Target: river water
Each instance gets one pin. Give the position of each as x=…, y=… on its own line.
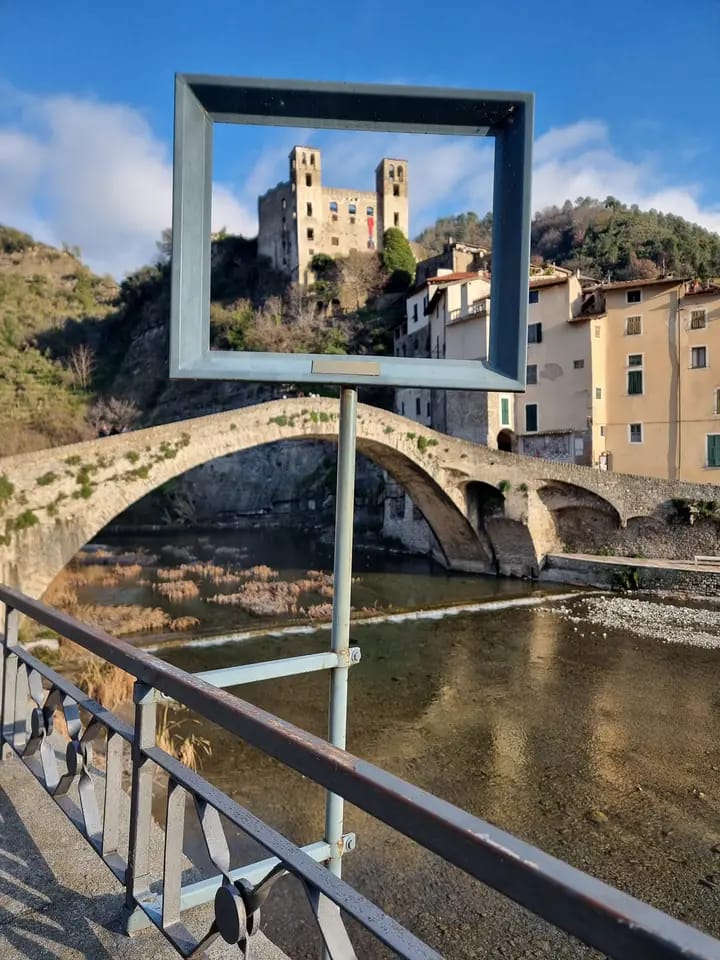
x=582, y=732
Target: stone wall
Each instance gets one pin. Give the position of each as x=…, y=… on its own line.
x=604, y=573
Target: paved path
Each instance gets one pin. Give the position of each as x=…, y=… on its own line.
x=649, y=563
x=58, y=900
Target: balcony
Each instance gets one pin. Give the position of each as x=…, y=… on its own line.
x=480, y=308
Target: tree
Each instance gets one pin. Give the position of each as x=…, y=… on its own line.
x=361, y=274
x=116, y=413
x=398, y=259
x=82, y=364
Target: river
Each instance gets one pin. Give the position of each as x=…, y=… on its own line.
x=558, y=715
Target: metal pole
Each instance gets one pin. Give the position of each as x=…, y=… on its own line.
x=340, y=642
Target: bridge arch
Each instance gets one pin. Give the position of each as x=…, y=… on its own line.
x=82, y=488
x=579, y=515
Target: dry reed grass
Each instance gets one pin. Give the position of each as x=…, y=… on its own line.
x=183, y=623
x=176, y=590
x=170, y=573
x=104, y=682
x=123, y=618
x=190, y=750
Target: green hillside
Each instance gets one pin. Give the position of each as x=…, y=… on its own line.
x=601, y=238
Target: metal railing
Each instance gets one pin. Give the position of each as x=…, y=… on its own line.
x=33, y=693
x=479, y=308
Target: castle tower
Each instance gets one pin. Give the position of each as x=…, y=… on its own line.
x=306, y=187
x=391, y=184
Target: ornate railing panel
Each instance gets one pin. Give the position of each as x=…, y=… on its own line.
x=34, y=698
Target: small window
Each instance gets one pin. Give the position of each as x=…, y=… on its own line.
x=698, y=357
x=428, y=409
x=633, y=296
x=534, y=333
x=333, y=206
x=370, y=211
x=633, y=326
x=391, y=171
x=352, y=209
x=697, y=320
x=335, y=241
x=417, y=405
x=310, y=233
x=396, y=219
x=312, y=159
x=713, y=450
x=504, y=412
x=602, y=431
x=534, y=296
x=402, y=407
x=334, y=217
x=415, y=313
x=635, y=382
x=352, y=220
x=308, y=209
x=578, y=364
x=283, y=203
x=598, y=393
x=311, y=252
x=531, y=374
x=308, y=179
x=636, y=433
x=531, y=417
x=717, y=403
x=400, y=173
x=396, y=190
x=304, y=160
x=635, y=360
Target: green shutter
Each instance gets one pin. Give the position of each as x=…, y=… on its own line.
x=505, y=411
x=713, y=450
x=635, y=382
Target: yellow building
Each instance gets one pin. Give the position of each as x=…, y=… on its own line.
x=655, y=348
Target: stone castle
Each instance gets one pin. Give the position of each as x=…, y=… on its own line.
x=300, y=217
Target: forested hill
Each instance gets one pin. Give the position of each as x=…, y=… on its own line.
x=601, y=238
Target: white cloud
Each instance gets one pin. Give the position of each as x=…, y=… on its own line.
x=95, y=175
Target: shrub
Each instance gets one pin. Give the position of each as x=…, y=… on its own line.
x=6, y=488
x=46, y=479
x=504, y=486
x=26, y=519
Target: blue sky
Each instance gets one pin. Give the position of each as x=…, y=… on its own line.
x=626, y=103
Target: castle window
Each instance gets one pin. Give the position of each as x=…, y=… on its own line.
x=304, y=160
x=310, y=233
x=396, y=190
x=370, y=211
x=391, y=172
x=334, y=217
x=308, y=209
x=308, y=179
x=352, y=209
x=352, y=220
x=333, y=206
x=400, y=173
x=283, y=203
x=396, y=219
x=312, y=159
x=335, y=241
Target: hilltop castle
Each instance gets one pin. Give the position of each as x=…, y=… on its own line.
x=300, y=217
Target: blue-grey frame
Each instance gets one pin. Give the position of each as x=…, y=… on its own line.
x=201, y=101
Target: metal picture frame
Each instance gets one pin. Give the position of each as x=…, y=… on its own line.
x=201, y=101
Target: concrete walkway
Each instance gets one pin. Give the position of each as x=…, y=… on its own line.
x=57, y=898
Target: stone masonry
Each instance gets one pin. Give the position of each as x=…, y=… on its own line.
x=489, y=511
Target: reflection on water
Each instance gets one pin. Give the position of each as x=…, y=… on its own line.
x=524, y=719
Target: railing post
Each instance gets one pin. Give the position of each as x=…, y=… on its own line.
x=137, y=876
x=8, y=677
x=342, y=580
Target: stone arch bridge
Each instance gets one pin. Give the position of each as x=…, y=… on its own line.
x=489, y=511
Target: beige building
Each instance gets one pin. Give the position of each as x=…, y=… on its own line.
x=301, y=217
x=553, y=414
x=656, y=379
